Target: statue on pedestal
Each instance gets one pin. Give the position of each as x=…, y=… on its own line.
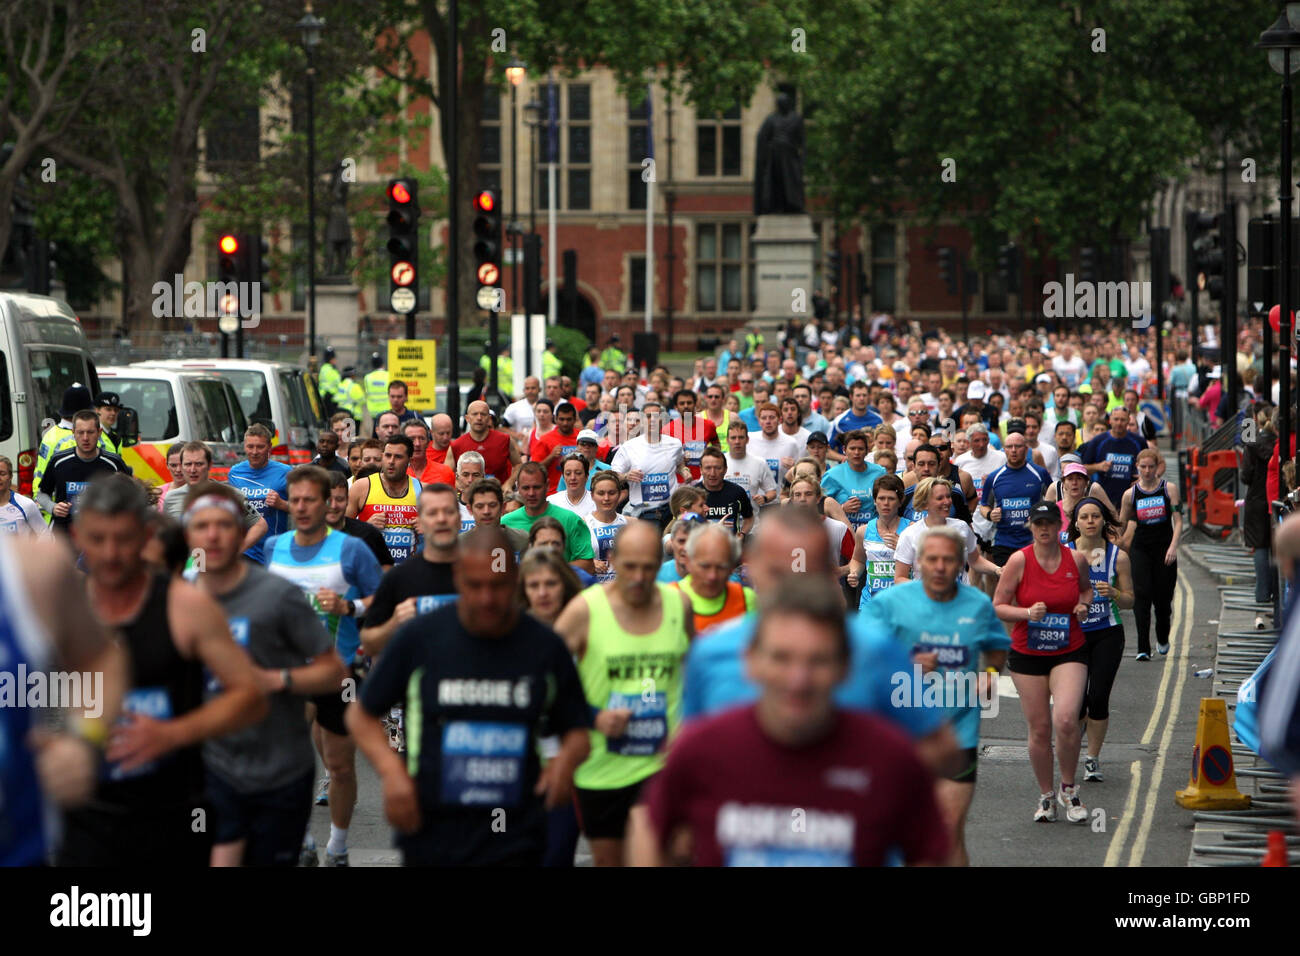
x=338, y=230
x=778, y=174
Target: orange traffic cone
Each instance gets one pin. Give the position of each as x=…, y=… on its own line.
x=1276, y=855
x=644, y=379
x=1212, y=784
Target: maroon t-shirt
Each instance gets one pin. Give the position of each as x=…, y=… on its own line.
x=844, y=801
x=495, y=449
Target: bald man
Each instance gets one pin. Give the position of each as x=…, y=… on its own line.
x=501, y=458
x=440, y=463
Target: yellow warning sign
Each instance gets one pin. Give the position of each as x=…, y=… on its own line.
x=414, y=361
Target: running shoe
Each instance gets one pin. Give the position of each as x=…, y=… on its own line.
x=332, y=859
x=1045, y=811
x=323, y=795
x=1075, y=811
x=308, y=855
x=1143, y=656
x=1092, y=770
x=1162, y=648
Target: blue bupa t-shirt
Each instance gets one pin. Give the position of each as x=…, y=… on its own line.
x=848, y=422
x=1015, y=491
x=1121, y=453
x=256, y=484
x=843, y=483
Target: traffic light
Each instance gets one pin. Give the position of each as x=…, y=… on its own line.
x=1088, y=264
x=1207, y=253
x=948, y=268
x=487, y=248
x=228, y=258
x=1009, y=267
x=255, y=265
x=834, y=271
x=403, y=245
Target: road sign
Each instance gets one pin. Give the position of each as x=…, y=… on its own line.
x=403, y=273
x=413, y=362
x=228, y=323
x=1155, y=414
x=403, y=301
x=487, y=297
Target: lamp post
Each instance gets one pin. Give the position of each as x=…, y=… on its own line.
x=311, y=27
x=515, y=74
x=533, y=112
x=1281, y=40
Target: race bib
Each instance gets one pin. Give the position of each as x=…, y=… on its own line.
x=466, y=524
x=949, y=655
x=774, y=466
x=1098, y=613
x=75, y=488
x=880, y=575
x=153, y=702
x=1050, y=634
x=9, y=527
x=1015, y=511
x=693, y=451
x=1121, y=466
x=1150, y=510
x=654, y=488
x=646, y=730
x=400, y=541
x=431, y=602
x=239, y=631
x=483, y=763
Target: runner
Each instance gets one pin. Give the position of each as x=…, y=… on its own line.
x=1092, y=533
x=693, y=431
x=481, y=695
x=749, y=471
x=19, y=515
x=263, y=483
x=652, y=465
x=551, y=449
x=604, y=522
x=629, y=637
x=712, y=554
x=177, y=483
x=806, y=492
x=851, y=482
x=500, y=455
x=532, y=488
x=196, y=468
x=947, y=625
x=769, y=444
x=469, y=470
x=1073, y=486
x=46, y=624
x=1046, y=590
x=981, y=461
x=677, y=566
x=1111, y=457
x=259, y=781
x=930, y=497
x=337, y=518
x=143, y=808
x=872, y=565
x=69, y=472
x=1151, y=514
x=574, y=471
x=388, y=500
x=518, y=416
x=1009, y=493
x=339, y=574
x=486, y=501
x=734, y=782
x=728, y=503
x=327, y=446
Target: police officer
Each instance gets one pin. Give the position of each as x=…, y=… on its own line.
x=376, y=387
x=551, y=364
x=109, y=406
x=329, y=382
x=351, y=396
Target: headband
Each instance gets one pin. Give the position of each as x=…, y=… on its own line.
x=212, y=501
x=1087, y=501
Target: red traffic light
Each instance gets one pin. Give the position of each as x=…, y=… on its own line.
x=486, y=201
x=398, y=192
x=228, y=244
x=488, y=273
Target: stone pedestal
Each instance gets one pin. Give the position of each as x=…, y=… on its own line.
x=784, y=255
x=336, y=323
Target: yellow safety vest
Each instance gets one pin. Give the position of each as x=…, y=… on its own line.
x=377, y=392
x=329, y=381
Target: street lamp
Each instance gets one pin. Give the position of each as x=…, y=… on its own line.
x=515, y=74
x=310, y=27
x=1281, y=40
x=534, y=110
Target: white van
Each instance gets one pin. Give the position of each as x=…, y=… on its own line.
x=43, y=351
x=177, y=406
x=279, y=395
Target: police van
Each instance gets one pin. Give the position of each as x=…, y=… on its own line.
x=172, y=407
x=279, y=395
x=43, y=351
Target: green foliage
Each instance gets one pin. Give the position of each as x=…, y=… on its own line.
x=570, y=347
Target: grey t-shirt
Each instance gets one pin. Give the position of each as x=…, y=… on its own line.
x=174, y=505
x=273, y=621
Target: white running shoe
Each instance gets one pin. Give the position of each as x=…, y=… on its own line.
x=1075, y=811
x=1045, y=810
x=1092, y=770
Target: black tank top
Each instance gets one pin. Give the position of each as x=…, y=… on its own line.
x=164, y=685
x=1154, y=513
x=960, y=508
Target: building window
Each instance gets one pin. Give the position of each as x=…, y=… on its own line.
x=489, y=156
x=717, y=145
x=636, y=276
x=719, y=267
x=233, y=137
x=884, y=269
x=638, y=150
x=578, y=145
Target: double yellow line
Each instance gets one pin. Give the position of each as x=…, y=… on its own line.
x=1167, y=706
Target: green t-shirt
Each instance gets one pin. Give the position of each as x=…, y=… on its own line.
x=577, y=535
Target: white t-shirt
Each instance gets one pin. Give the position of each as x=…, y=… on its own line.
x=467, y=521
x=658, y=462
x=751, y=473
x=21, y=515
x=835, y=531
x=602, y=540
x=772, y=450
x=1071, y=371
x=903, y=431
x=980, y=468
x=800, y=439
x=519, y=415
x=584, y=507
x=906, y=550
x=1051, y=459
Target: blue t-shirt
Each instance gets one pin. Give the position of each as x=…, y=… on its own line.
x=592, y=375
x=959, y=630
x=256, y=485
x=750, y=417
x=1121, y=453
x=843, y=483
x=715, y=676
x=878, y=573
x=1015, y=491
x=313, y=565
x=668, y=572
x=848, y=422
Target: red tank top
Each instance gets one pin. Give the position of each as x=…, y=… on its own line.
x=1059, y=631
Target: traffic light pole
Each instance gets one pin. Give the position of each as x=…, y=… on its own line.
x=450, y=90
x=311, y=203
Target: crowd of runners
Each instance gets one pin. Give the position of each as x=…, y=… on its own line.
x=746, y=617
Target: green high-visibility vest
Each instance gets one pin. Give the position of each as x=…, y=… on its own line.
x=551, y=365
x=377, y=392
x=329, y=381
